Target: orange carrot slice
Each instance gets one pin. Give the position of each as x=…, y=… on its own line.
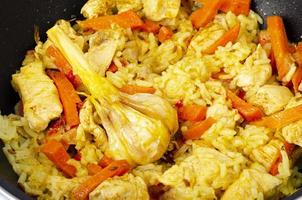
x=297, y=78
x=281, y=119
x=192, y=113
x=196, y=131
x=116, y=168
x=289, y=148
x=236, y=6
x=56, y=152
x=134, y=89
x=164, y=34
x=274, y=168
x=150, y=26
x=68, y=96
x=280, y=45
x=229, y=36
x=93, y=169
x=247, y=111
x=63, y=65
x=204, y=15
x=105, y=161
x=112, y=68
x=128, y=19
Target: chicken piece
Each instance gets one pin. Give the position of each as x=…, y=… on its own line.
x=100, y=57
x=157, y=10
x=252, y=184
x=127, y=187
x=292, y=133
x=39, y=95
x=267, y=154
x=94, y=8
x=202, y=174
x=256, y=71
x=125, y=5
x=89, y=124
x=205, y=38
x=272, y=98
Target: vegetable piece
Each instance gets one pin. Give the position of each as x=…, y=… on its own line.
x=136, y=136
x=68, y=96
x=289, y=148
x=203, y=16
x=281, y=119
x=55, y=126
x=55, y=152
x=280, y=45
x=93, y=169
x=150, y=26
x=297, y=78
x=128, y=19
x=274, y=168
x=105, y=161
x=192, y=113
x=134, y=89
x=248, y=111
x=63, y=65
x=112, y=68
x=236, y=6
x=164, y=34
x=78, y=156
x=230, y=36
x=196, y=131
x=116, y=168
x=153, y=106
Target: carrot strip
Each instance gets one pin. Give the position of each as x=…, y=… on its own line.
x=56, y=152
x=68, y=96
x=105, y=161
x=128, y=19
x=236, y=6
x=93, y=169
x=63, y=65
x=55, y=126
x=134, y=89
x=204, y=15
x=196, y=131
x=164, y=34
x=274, y=168
x=281, y=119
x=230, y=36
x=289, y=148
x=112, y=68
x=150, y=26
x=192, y=112
x=78, y=156
x=247, y=111
x=297, y=78
x=280, y=45
x=116, y=168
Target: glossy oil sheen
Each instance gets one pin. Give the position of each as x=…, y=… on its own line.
x=16, y=37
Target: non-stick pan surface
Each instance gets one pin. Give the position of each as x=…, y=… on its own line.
x=17, y=20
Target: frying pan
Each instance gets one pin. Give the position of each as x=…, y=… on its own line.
x=16, y=36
